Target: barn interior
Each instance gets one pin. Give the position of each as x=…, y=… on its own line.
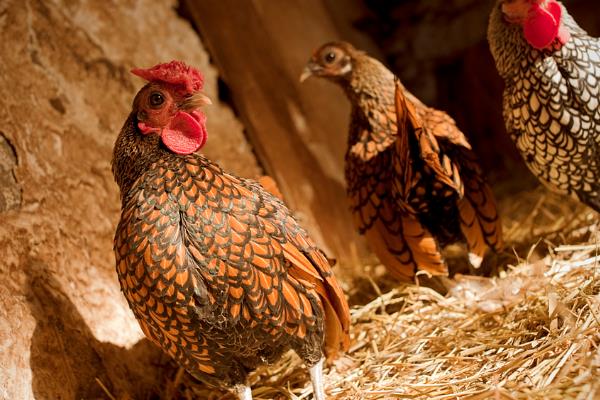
x=532, y=331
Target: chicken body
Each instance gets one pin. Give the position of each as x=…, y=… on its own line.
x=551, y=103
x=216, y=270
x=413, y=183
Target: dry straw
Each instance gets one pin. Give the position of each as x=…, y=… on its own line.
x=531, y=333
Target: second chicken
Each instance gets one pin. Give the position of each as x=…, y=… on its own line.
x=413, y=182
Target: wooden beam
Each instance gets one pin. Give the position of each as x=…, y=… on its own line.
x=298, y=132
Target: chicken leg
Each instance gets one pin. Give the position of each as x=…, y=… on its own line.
x=316, y=377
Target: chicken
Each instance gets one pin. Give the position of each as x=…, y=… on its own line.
x=413, y=182
x=551, y=71
x=215, y=268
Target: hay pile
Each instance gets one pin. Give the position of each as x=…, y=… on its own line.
x=531, y=333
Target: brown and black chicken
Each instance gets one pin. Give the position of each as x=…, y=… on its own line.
x=413, y=182
x=215, y=268
x=551, y=71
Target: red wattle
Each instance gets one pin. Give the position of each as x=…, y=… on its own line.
x=541, y=27
x=185, y=134
x=554, y=8
x=556, y=11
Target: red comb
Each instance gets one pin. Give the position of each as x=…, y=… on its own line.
x=543, y=24
x=185, y=78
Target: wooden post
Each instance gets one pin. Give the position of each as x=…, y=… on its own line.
x=298, y=132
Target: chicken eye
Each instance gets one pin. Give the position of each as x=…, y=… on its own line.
x=156, y=99
x=330, y=57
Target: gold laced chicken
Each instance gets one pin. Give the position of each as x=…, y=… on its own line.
x=413, y=182
x=215, y=268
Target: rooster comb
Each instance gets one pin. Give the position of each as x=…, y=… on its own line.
x=186, y=79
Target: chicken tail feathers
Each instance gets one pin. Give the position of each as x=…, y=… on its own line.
x=313, y=267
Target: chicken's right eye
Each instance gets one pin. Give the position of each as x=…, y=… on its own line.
x=156, y=99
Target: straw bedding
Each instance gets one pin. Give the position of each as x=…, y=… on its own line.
x=532, y=332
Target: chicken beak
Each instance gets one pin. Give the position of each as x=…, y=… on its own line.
x=201, y=100
x=309, y=71
x=196, y=101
